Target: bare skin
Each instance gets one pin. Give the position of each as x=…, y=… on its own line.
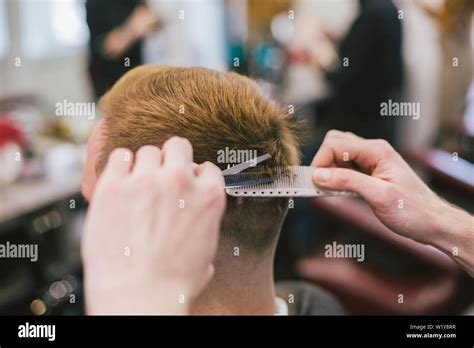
x=234, y=276
x=141, y=22
x=154, y=255
x=377, y=173
x=120, y=280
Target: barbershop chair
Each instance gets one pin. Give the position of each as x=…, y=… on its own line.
x=440, y=288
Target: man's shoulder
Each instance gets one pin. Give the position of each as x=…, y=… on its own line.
x=307, y=299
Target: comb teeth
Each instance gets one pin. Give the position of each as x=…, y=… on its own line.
x=291, y=181
x=247, y=179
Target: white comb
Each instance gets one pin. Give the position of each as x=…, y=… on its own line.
x=289, y=181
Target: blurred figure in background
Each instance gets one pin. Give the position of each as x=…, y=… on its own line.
x=117, y=29
x=368, y=72
x=454, y=21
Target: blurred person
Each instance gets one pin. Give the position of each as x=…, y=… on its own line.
x=368, y=72
x=361, y=72
x=219, y=111
x=117, y=29
x=454, y=23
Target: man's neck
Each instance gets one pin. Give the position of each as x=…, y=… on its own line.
x=241, y=286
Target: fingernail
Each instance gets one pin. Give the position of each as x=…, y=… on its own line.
x=321, y=174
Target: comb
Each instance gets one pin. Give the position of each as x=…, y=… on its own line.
x=244, y=165
x=233, y=176
x=288, y=181
x=247, y=179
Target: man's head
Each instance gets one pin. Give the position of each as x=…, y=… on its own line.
x=219, y=113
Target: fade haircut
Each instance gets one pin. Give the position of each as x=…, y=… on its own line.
x=213, y=110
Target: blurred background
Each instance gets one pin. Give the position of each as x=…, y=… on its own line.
x=332, y=62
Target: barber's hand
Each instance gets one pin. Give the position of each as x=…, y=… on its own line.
x=398, y=197
x=151, y=231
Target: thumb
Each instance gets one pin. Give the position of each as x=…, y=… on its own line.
x=342, y=179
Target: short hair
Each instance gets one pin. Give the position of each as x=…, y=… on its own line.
x=214, y=111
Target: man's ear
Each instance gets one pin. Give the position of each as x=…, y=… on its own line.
x=89, y=176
